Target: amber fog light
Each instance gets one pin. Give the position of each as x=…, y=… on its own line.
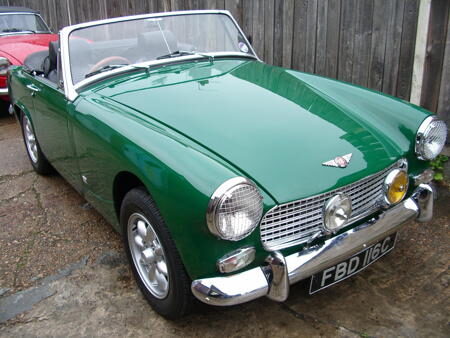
x=395, y=186
x=337, y=212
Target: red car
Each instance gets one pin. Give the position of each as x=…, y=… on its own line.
x=22, y=32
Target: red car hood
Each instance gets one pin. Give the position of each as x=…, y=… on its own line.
x=17, y=47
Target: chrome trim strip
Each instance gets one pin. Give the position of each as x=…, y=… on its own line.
x=4, y=91
x=259, y=281
x=70, y=89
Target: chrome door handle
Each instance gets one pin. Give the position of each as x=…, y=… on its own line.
x=33, y=89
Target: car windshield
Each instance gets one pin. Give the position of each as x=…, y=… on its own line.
x=109, y=46
x=22, y=23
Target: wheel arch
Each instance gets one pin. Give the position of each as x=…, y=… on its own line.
x=19, y=110
x=123, y=182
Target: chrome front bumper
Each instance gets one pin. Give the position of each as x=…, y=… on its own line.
x=3, y=91
x=273, y=280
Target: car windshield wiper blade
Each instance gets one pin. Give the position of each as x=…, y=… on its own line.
x=115, y=66
x=104, y=69
x=179, y=53
x=17, y=30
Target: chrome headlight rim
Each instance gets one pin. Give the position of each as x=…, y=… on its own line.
x=389, y=181
x=217, y=198
x=329, y=204
x=421, y=136
x=4, y=66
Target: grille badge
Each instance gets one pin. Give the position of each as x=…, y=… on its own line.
x=339, y=161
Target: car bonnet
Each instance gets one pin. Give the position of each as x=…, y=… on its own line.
x=276, y=126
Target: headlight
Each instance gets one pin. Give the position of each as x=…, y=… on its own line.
x=235, y=209
x=395, y=186
x=430, y=138
x=336, y=212
x=4, y=65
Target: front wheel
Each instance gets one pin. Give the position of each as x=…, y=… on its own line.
x=154, y=259
x=37, y=158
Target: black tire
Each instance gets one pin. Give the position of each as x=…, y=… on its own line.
x=178, y=300
x=38, y=160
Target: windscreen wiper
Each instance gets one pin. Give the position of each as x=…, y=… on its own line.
x=17, y=30
x=115, y=66
x=178, y=53
x=104, y=69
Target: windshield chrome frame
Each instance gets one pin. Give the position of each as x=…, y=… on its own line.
x=26, y=32
x=71, y=90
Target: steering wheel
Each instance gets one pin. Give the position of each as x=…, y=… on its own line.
x=108, y=61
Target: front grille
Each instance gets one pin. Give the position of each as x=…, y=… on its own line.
x=295, y=222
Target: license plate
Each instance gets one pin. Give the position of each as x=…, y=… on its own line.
x=336, y=273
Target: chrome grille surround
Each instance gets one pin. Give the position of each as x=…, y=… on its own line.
x=296, y=222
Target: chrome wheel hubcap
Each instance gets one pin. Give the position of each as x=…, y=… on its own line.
x=30, y=139
x=148, y=255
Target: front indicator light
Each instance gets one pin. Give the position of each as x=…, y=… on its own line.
x=395, y=186
x=236, y=260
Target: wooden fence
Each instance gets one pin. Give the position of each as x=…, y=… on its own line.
x=366, y=42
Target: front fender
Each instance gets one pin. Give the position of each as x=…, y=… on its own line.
x=179, y=174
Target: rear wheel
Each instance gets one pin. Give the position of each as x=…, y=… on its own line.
x=37, y=158
x=154, y=259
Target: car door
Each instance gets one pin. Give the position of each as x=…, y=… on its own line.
x=50, y=117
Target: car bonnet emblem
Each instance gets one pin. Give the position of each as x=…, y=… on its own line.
x=340, y=161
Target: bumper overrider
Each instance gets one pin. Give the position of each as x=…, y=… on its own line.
x=274, y=278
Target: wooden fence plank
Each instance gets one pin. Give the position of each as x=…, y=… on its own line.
x=288, y=21
x=410, y=15
x=345, y=64
x=392, y=52
x=333, y=24
x=439, y=13
x=381, y=11
x=362, y=43
x=278, y=34
x=269, y=17
x=247, y=23
x=444, y=96
x=321, y=43
x=61, y=15
x=311, y=31
x=235, y=8
x=258, y=27
x=299, y=35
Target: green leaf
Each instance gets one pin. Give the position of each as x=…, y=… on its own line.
x=438, y=176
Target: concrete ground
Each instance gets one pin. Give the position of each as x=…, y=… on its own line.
x=63, y=273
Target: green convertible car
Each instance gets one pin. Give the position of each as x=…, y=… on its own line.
x=229, y=179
